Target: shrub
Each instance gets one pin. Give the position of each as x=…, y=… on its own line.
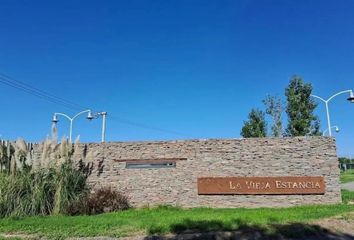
x=107, y=200
x=101, y=201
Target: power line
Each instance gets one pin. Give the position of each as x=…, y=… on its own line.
x=141, y=125
x=38, y=92
x=41, y=91
x=44, y=95
x=34, y=93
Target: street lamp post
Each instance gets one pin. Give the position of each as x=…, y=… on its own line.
x=351, y=99
x=71, y=119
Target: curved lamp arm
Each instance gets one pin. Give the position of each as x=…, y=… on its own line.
x=324, y=132
x=345, y=91
x=315, y=96
x=351, y=99
x=333, y=96
x=71, y=119
x=85, y=111
x=64, y=115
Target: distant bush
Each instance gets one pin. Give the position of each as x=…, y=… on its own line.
x=345, y=160
x=101, y=201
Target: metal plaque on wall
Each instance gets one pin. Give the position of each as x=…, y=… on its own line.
x=261, y=185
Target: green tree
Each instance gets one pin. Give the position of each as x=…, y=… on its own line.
x=300, y=109
x=256, y=125
x=275, y=108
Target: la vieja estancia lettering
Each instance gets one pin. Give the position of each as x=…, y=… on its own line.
x=261, y=185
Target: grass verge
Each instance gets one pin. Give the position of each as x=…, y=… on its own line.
x=347, y=196
x=163, y=220
x=347, y=176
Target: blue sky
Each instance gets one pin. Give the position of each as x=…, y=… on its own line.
x=192, y=67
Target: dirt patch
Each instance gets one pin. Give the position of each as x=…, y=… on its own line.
x=19, y=236
x=343, y=223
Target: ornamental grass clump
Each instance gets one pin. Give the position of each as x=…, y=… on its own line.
x=70, y=186
x=48, y=186
x=27, y=193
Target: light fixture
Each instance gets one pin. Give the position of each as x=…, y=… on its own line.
x=55, y=119
x=337, y=129
x=351, y=97
x=90, y=116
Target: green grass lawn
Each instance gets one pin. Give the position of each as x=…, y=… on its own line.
x=164, y=220
x=347, y=176
x=347, y=196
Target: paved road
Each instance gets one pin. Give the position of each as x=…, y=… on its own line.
x=348, y=186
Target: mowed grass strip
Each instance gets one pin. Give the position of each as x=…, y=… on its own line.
x=347, y=176
x=347, y=196
x=164, y=219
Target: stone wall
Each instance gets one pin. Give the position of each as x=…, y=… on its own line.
x=299, y=156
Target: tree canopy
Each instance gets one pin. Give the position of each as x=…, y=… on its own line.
x=300, y=109
x=255, y=126
x=274, y=108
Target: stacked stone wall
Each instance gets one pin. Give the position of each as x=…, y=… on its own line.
x=265, y=157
